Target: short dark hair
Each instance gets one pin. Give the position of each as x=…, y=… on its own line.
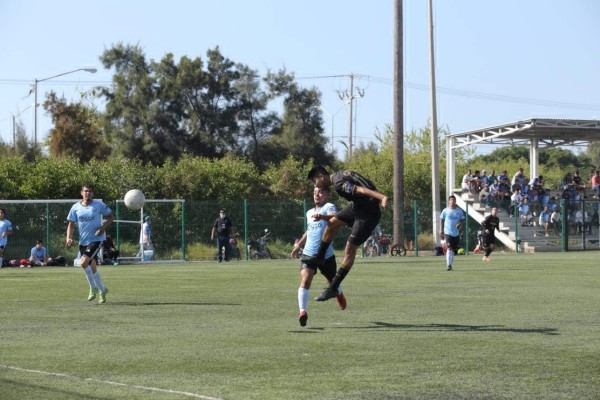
x=452, y=197
x=39, y=241
x=87, y=186
x=317, y=169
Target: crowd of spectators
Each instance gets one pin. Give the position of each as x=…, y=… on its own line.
x=533, y=202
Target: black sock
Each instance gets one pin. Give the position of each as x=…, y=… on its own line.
x=339, y=277
x=488, y=251
x=323, y=246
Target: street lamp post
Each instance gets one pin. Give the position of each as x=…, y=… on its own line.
x=332, y=116
x=35, y=101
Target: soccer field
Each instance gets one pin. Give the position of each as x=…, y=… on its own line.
x=518, y=327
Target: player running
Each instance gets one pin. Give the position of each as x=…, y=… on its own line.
x=452, y=219
x=488, y=238
x=88, y=215
x=317, y=221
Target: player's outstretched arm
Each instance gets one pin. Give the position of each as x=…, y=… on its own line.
x=372, y=193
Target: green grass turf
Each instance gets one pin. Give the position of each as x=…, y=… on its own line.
x=519, y=327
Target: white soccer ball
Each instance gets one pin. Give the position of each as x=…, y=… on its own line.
x=134, y=199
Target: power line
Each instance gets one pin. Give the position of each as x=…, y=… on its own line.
x=472, y=94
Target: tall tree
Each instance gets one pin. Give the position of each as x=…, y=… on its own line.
x=302, y=124
x=210, y=107
x=129, y=103
x=257, y=124
x=76, y=132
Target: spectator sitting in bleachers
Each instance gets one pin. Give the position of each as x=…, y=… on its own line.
x=476, y=183
x=578, y=183
x=492, y=177
x=503, y=176
x=525, y=213
x=515, y=200
x=567, y=182
x=545, y=221
x=537, y=183
x=484, y=178
x=495, y=196
x=484, y=195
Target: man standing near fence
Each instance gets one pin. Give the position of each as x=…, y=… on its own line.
x=88, y=214
x=5, y=232
x=362, y=214
x=222, y=227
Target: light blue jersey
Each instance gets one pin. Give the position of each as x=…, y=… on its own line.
x=451, y=218
x=39, y=253
x=89, y=219
x=314, y=231
x=5, y=227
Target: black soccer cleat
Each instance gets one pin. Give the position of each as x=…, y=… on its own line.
x=302, y=318
x=327, y=294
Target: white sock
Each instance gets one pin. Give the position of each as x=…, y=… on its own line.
x=450, y=257
x=303, y=298
x=98, y=281
x=90, y=277
x=1, y=261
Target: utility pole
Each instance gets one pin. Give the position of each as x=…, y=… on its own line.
x=350, y=96
x=435, y=170
x=398, y=211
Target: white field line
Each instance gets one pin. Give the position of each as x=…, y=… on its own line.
x=188, y=394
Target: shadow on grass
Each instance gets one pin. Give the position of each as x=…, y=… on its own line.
x=142, y=304
x=47, y=390
x=458, y=328
x=308, y=330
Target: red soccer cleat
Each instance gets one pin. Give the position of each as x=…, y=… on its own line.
x=341, y=300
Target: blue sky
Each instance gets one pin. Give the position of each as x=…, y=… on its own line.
x=496, y=62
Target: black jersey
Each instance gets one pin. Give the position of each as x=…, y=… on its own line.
x=490, y=223
x=345, y=183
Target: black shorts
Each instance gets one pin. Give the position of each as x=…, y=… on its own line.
x=328, y=269
x=486, y=240
x=362, y=220
x=91, y=250
x=452, y=242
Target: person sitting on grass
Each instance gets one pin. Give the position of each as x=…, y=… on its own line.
x=111, y=254
x=39, y=255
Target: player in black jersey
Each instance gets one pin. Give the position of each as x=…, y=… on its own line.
x=488, y=227
x=362, y=214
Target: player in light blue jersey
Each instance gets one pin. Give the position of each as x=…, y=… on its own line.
x=5, y=232
x=452, y=219
x=311, y=240
x=88, y=215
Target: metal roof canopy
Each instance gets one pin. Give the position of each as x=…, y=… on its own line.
x=536, y=132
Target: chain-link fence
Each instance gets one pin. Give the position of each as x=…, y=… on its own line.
x=182, y=229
